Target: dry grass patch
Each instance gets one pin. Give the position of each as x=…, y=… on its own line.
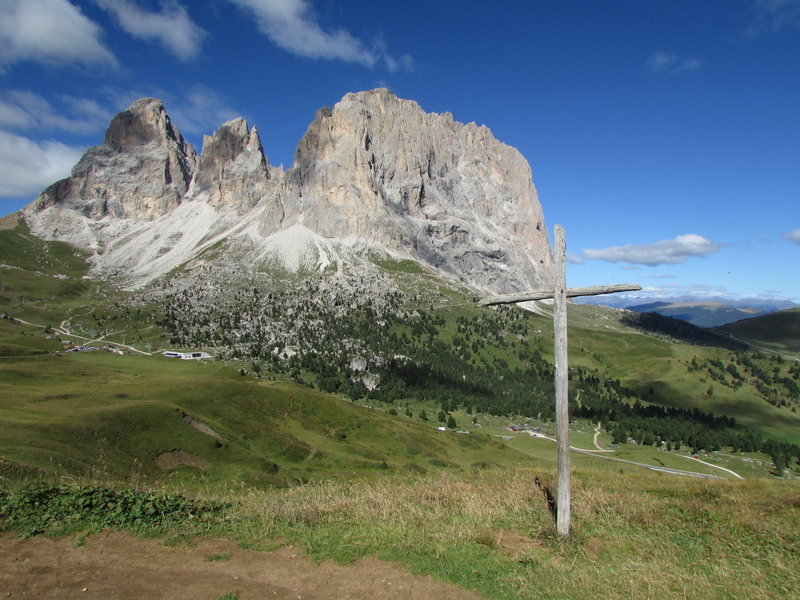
x=642, y=536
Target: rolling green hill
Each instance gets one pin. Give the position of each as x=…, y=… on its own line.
x=778, y=331
x=102, y=416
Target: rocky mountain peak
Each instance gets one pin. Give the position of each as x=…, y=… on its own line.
x=232, y=170
x=424, y=185
x=374, y=172
x=143, y=122
x=142, y=170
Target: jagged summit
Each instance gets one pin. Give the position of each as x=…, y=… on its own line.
x=232, y=170
x=142, y=170
x=375, y=171
x=144, y=122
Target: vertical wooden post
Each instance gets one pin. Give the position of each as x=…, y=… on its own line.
x=560, y=293
x=561, y=382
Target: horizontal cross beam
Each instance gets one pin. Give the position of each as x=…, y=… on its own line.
x=571, y=293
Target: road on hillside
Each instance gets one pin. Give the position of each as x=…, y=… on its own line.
x=756, y=346
x=597, y=454
x=596, y=444
x=652, y=467
x=62, y=330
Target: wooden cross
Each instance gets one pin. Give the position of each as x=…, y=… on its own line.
x=560, y=294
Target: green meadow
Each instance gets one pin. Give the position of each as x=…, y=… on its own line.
x=185, y=449
x=167, y=421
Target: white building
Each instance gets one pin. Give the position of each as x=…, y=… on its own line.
x=186, y=355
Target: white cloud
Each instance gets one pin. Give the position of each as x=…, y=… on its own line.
x=662, y=62
x=658, y=253
x=575, y=259
x=793, y=236
x=172, y=27
x=404, y=63
x=27, y=166
x=24, y=110
x=291, y=25
x=50, y=32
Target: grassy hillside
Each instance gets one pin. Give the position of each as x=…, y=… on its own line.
x=46, y=284
x=681, y=375
x=123, y=418
x=35, y=272
x=778, y=331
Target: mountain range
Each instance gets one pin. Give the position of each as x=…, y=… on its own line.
x=373, y=176
x=697, y=310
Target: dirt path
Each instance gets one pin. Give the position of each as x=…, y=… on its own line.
x=735, y=474
x=119, y=565
x=596, y=435
x=602, y=454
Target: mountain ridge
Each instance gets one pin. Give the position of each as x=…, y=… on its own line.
x=375, y=172
x=700, y=311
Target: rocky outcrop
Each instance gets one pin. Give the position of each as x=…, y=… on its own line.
x=233, y=171
x=374, y=172
x=142, y=170
x=447, y=194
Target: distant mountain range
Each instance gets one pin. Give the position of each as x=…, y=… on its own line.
x=703, y=312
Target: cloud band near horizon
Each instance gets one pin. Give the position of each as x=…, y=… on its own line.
x=665, y=252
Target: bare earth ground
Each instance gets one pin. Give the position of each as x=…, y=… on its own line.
x=122, y=566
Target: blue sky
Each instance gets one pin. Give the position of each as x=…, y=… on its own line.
x=663, y=135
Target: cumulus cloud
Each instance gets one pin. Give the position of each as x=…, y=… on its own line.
x=28, y=166
x=793, y=236
x=291, y=25
x=666, y=252
x=172, y=27
x=51, y=32
x=25, y=110
x=662, y=62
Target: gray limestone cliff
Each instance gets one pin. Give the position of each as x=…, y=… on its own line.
x=374, y=172
x=445, y=193
x=232, y=170
x=142, y=170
